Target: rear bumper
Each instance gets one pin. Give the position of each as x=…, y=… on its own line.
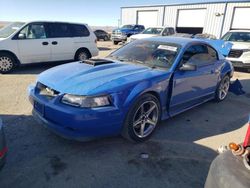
x=76, y=123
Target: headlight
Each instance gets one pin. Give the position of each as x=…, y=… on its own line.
x=86, y=102
x=124, y=34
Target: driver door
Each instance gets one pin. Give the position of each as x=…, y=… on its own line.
x=192, y=87
x=34, y=46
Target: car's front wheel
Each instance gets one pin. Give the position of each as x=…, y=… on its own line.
x=222, y=89
x=7, y=63
x=82, y=54
x=142, y=119
x=115, y=42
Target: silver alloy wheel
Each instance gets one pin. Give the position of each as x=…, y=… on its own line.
x=6, y=64
x=145, y=119
x=82, y=56
x=223, y=88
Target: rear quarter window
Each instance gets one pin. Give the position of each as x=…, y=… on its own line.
x=80, y=30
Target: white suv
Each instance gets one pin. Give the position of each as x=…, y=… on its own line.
x=240, y=52
x=33, y=42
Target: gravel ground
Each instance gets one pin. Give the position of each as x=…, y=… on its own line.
x=177, y=155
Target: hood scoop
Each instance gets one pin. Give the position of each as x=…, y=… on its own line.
x=96, y=62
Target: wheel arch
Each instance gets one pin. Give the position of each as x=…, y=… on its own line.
x=227, y=69
x=82, y=48
x=12, y=54
x=140, y=90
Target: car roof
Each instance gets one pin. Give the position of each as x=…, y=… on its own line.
x=160, y=27
x=240, y=30
x=44, y=21
x=177, y=40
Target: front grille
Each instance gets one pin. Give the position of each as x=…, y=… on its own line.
x=116, y=33
x=235, y=53
x=46, y=91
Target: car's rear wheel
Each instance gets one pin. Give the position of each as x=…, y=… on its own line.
x=142, y=119
x=106, y=38
x=222, y=89
x=7, y=63
x=82, y=54
x=115, y=42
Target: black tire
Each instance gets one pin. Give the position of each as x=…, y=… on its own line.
x=106, y=38
x=82, y=54
x=218, y=97
x=7, y=63
x=129, y=131
x=115, y=42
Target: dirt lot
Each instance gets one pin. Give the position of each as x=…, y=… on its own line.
x=180, y=151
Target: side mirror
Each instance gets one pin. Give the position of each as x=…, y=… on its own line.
x=188, y=67
x=21, y=36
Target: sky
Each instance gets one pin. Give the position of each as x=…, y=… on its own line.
x=92, y=12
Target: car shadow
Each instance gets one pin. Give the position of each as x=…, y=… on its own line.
x=46, y=159
x=104, y=48
x=238, y=69
x=36, y=68
x=171, y=158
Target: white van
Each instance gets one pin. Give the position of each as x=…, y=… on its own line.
x=42, y=41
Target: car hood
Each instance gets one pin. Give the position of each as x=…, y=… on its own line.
x=241, y=45
x=84, y=79
x=142, y=36
x=221, y=46
x=122, y=30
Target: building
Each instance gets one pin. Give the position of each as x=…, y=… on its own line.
x=212, y=17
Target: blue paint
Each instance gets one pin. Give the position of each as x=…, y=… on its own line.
x=176, y=90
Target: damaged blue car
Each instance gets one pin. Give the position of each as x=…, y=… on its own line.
x=131, y=90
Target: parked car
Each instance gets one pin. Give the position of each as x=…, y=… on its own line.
x=121, y=34
x=3, y=147
x=101, y=34
x=152, y=32
x=131, y=90
x=240, y=52
x=33, y=42
x=204, y=36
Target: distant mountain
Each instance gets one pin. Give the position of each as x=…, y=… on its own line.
x=105, y=28
x=2, y=23
x=108, y=29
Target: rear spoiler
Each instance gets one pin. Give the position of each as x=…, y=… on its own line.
x=221, y=46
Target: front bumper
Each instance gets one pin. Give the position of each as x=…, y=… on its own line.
x=75, y=123
x=118, y=38
x=243, y=61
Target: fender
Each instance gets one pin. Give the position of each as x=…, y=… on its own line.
x=158, y=87
x=227, y=68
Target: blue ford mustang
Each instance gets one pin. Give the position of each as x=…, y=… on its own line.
x=132, y=89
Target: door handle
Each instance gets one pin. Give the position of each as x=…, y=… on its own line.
x=45, y=43
x=54, y=43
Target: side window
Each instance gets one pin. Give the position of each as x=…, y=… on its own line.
x=213, y=54
x=59, y=30
x=136, y=28
x=199, y=55
x=171, y=31
x=34, y=31
x=165, y=32
x=80, y=30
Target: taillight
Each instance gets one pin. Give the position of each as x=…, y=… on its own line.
x=247, y=138
x=3, y=152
